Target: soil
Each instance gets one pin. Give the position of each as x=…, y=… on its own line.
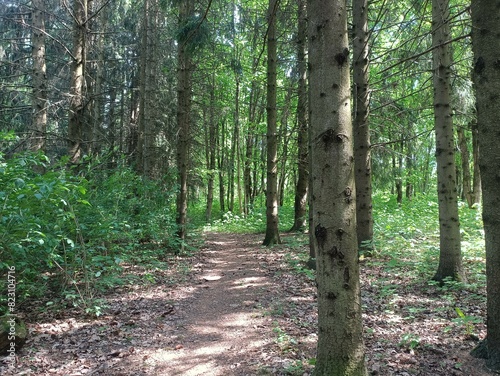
x=237, y=308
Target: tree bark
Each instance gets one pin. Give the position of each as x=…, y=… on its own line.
x=184, y=70
x=340, y=350
x=272, y=226
x=147, y=89
x=450, y=257
x=284, y=141
x=486, y=78
x=234, y=145
x=76, y=121
x=96, y=73
x=221, y=163
x=476, y=175
x=362, y=147
x=211, y=148
x=133, y=134
x=301, y=189
x=39, y=131
x=466, y=176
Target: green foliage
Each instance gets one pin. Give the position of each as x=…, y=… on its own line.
x=38, y=224
x=284, y=341
x=466, y=321
x=193, y=32
x=231, y=222
x=71, y=234
x=410, y=341
x=409, y=235
x=295, y=369
x=254, y=222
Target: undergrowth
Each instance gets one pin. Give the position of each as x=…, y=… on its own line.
x=68, y=234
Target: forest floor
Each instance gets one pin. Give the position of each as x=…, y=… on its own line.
x=237, y=308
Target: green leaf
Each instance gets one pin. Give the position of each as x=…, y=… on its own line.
x=459, y=312
x=19, y=183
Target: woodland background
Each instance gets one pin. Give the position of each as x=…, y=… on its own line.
x=126, y=127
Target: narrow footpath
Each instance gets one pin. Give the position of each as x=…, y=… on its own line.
x=224, y=331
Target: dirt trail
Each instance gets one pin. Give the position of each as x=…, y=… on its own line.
x=224, y=325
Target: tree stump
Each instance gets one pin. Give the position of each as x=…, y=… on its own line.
x=13, y=334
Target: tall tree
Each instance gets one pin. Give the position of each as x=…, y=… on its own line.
x=39, y=127
x=450, y=257
x=272, y=227
x=476, y=173
x=184, y=73
x=471, y=184
x=486, y=47
x=255, y=114
x=76, y=122
x=340, y=349
x=362, y=152
x=211, y=149
x=147, y=83
x=300, y=204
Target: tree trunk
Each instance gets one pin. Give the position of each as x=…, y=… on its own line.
x=450, y=258
x=464, y=157
x=362, y=152
x=151, y=105
x=96, y=68
x=247, y=172
x=39, y=103
x=112, y=134
x=142, y=67
x=76, y=121
x=234, y=146
x=398, y=172
x=476, y=177
x=272, y=227
x=409, y=168
x=184, y=70
x=285, y=140
x=486, y=47
x=133, y=136
x=211, y=152
x=340, y=350
x=221, y=164
x=300, y=204
x=254, y=115
x=147, y=83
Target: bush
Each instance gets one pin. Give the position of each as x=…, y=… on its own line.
x=67, y=232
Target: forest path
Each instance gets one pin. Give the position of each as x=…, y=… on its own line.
x=223, y=331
